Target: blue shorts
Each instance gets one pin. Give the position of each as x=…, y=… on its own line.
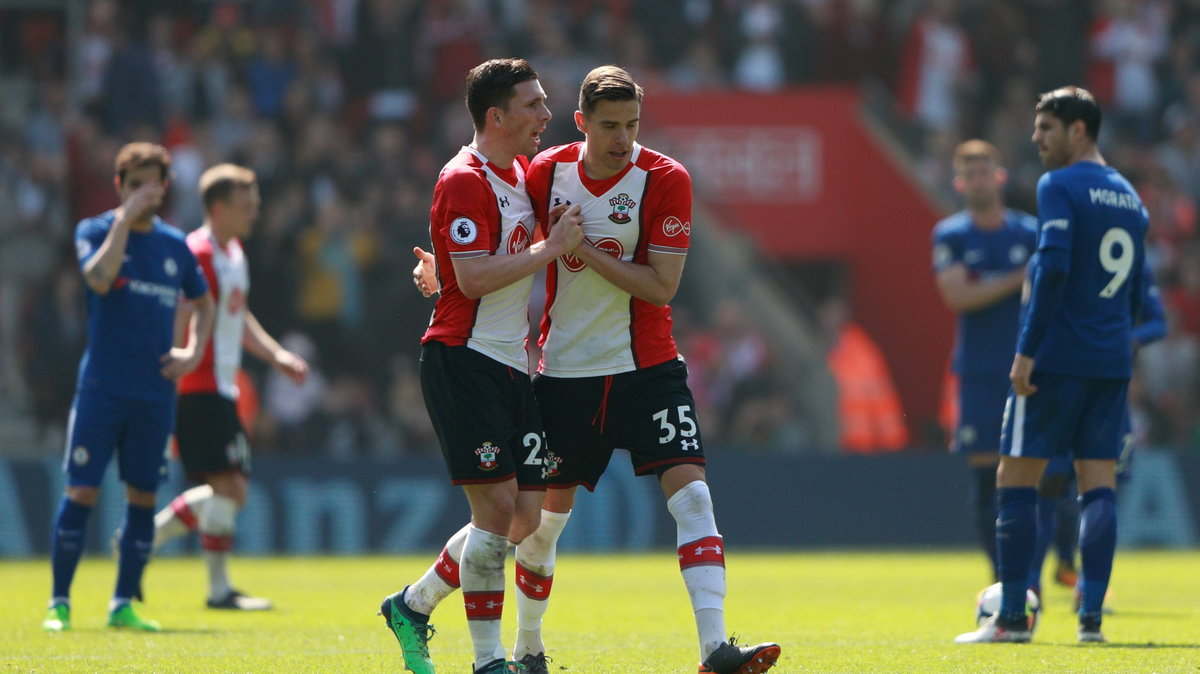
x=1068, y=415
x=980, y=411
x=136, y=429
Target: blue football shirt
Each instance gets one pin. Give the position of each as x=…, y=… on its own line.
x=1093, y=227
x=133, y=326
x=985, y=338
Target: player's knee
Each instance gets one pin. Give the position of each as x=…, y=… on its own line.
x=1052, y=486
x=141, y=498
x=85, y=496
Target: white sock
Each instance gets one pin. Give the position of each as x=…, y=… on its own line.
x=701, y=561
x=216, y=539
x=535, y=575
x=441, y=579
x=181, y=515
x=482, y=575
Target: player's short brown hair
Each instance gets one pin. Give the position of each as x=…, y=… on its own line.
x=219, y=182
x=973, y=150
x=490, y=85
x=138, y=155
x=1070, y=104
x=607, y=83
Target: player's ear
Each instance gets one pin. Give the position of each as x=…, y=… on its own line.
x=960, y=184
x=495, y=116
x=117, y=184
x=580, y=122
x=1001, y=175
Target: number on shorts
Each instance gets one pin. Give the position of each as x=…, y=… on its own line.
x=1119, y=265
x=687, y=425
x=534, y=442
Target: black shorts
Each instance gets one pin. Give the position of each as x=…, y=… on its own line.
x=210, y=435
x=649, y=412
x=486, y=418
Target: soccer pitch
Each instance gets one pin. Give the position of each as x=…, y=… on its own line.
x=831, y=611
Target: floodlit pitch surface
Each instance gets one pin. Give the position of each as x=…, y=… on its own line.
x=831, y=611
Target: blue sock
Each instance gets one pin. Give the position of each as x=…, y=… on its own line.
x=1067, y=534
x=1016, y=533
x=983, y=497
x=66, y=544
x=1047, y=510
x=137, y=538
x=1097, y=545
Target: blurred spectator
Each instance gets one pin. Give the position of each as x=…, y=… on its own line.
x=1169, y=376
x=936, y=69
x=1128, y=41
x=871, y=418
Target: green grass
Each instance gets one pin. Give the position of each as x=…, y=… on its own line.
x=831, y=612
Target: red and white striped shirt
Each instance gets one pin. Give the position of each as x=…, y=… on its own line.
x=229, y=284
x=480, y=209
x=591, y=327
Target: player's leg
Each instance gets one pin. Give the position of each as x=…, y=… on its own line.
x=92, y=431
x=981, y=406
x=1050, y=490
x=655, y=416
x=182, y=514
x=482, y=569
x=142, y=465
x=1100, y=445
x=1033, y=427
x=218, y=525
x=536, y=558
x=1066, y=535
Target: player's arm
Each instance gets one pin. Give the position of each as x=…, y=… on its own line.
x=963, y=294
x=484, y=274
x=1048, y=283
x=655, y=282
x=256, y=340
x=1150, y=323
x=102, y=268
x=181, y=360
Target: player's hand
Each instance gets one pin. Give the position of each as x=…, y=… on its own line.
x=424, y=275
x=144, y=201
x=1022, y=371
x=566, y=231
x=179, y=361
x=295, y=367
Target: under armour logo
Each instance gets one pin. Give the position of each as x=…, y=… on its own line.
x=503, y=202
x=558, y=201
x=494, y=604
x=716, y=549
x=524, y=581
x=689, y=444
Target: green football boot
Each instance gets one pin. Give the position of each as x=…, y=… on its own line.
x=58, y=618
x=412, y=632
x=125, y=617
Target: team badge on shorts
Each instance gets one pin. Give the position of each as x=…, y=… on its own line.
x=550, y=467
x=621, y=205
x=80, y=456
x=487, y=456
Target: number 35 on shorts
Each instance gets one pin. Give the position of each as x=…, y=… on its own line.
x=683, y=426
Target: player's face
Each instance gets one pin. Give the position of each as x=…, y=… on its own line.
x=1052, y=141
x=525, y=117
x=980, y=182
x=242, y=210
x=135, y=178
x=611, y=129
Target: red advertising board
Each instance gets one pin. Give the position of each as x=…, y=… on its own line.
x=804, y=175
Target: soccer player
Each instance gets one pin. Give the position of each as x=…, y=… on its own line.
x=135, y=266
x=610, y=374
x=1070, y=374
x=212, y=442
x=979, y=257
x=474, y=364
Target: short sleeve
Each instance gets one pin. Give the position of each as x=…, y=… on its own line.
x=89, y=235
x=947, y=250
x=466, y=225
x=668, y=214
x=194, y=284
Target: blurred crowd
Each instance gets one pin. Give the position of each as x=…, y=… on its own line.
x=346, y=109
